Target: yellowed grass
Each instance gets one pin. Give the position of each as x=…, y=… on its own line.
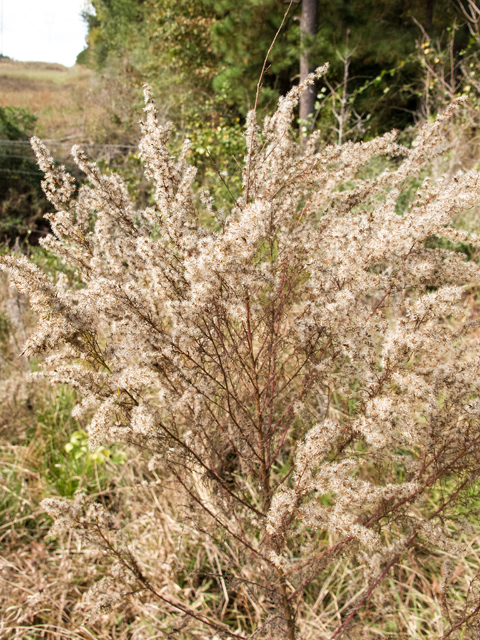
x=71, y=104
x=57, y=95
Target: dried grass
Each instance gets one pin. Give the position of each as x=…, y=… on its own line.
x=70, y=103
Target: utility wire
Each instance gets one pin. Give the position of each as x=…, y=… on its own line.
x=13, y=155
x=60, y=143
x=36, y=173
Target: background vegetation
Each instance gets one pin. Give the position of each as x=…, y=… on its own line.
x=392, y=64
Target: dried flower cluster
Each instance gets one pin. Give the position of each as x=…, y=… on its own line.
x=303, y=367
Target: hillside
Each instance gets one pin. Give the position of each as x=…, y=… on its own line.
x=57, y=95
x=71, y=104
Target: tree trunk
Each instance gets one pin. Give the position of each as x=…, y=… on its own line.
x=429, y=15
x=308, y=23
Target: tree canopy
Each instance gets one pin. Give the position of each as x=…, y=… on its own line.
x=212, y=51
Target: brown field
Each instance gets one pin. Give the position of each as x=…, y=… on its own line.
x=57, y=95
x=71, y=104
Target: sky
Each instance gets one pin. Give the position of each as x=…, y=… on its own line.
x=43, y=30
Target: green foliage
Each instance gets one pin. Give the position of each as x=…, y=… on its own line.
x=67, y=465
x=113, y=29
x=217, y=146
x=193, y=51
x=52, y=265
x=15, y=123
x=180, y=41
x=22, y=202
x=53, y=458
x=241, y=36
x=77, y=448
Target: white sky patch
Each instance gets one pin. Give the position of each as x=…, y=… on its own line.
x=43, y=30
